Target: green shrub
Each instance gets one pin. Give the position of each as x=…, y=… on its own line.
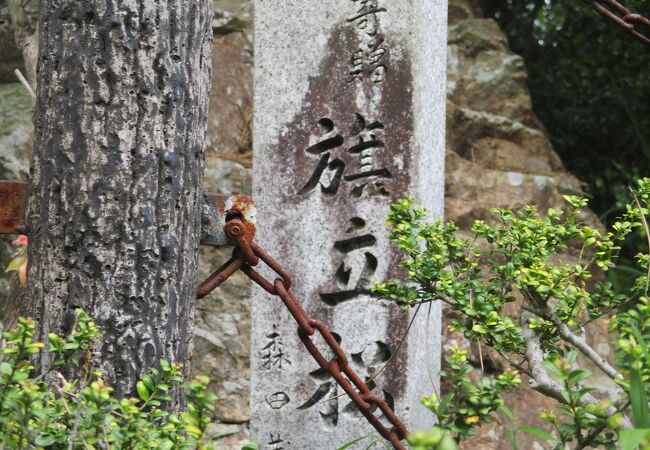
x=50, y=412
x=519, y=258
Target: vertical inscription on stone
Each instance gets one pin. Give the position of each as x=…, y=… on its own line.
x=349, y=117
x=273, y=354
x=366, y=60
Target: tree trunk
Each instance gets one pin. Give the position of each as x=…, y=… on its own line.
x=113, y=211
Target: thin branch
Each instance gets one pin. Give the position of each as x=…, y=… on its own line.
x=647, y=234
x=77, y=419
x=606, y=311
x=579, y=342
x=517, y=366
x=427, y=354
x=480, y=351
x=541, y=381
x=26, y=84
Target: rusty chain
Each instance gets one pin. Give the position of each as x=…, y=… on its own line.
x=617, y=13
x=248, y=254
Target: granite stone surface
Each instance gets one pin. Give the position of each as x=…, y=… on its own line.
x=349, y=117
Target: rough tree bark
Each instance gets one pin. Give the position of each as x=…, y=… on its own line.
x=113, y=207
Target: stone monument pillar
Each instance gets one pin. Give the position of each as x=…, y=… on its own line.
x=349, y=117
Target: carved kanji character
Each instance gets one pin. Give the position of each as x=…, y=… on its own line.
x=366, y=16
x=273, y=354
x=329, y=141
x=348, y=247
x=276, y=442
x=367, y=62
x=367, y=144
x=366, y=363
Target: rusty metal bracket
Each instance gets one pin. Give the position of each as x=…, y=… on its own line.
x=213, y=213
x=214, y=216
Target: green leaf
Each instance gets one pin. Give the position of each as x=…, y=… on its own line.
x=16, y=263
x=512, y=438
x=5, y=368
x=615, y=421
x=251, y=446
x=143, y=392
x=537, y=432
x=19, y=376
x=480, y=329
x=55, y=341
x=148, y=382
x=639, y=399
x=351, y=443
x=631, y=438
x=503, y=409
x=44, y=440
x=641, y=341
x=577, y=376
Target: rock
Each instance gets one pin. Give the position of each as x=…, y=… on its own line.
x=221, y=351
x=223, y=176
x=222, y=334
x=232, y=15
x=222, y=340
x=462, y=9
x=16, y=131
x=491, y=78
x=226, y=436
x=497, y=153
x=222, y=337
x=231, y=100
x=341, y=133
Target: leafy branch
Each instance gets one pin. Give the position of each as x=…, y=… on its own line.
x=520, y=257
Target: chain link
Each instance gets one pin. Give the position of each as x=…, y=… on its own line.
x=623, y=17
x=248, y=254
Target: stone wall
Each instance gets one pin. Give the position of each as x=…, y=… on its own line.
x=498, y=155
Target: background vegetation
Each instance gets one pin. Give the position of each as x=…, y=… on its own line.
x=590, y=88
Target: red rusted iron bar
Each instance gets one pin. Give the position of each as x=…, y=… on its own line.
x=12, y=207
x=220, y=275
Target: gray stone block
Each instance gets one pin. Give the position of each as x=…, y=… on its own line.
x=349, y=117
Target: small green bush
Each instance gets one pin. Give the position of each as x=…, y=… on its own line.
x=519, y=257
x=50, y=412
